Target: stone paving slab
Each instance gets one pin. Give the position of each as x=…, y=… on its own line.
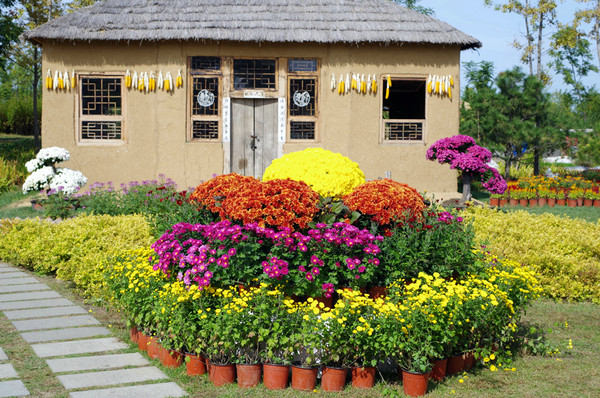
x=46, y=350
x=7, y=371
x=14, y=274
x=110, y=377
x=45, y=312
x=5, y=265
x=29, y=296
x=160, y=390
x=54, y=323
x=27, y=304
x=98, y=362
x=6, y=268
x=3, y=356
x=17, y=281
x=13, y=388
x=64, y=334
x=24, y=288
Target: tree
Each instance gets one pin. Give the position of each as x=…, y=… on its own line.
x=508, y=114
x=413, y=4
x=9, y=30
x=590, y=15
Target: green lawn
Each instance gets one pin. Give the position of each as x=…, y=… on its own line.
x=590, y=214
x=15, y=204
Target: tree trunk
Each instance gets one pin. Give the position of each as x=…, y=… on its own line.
x=536, y=158
x=507, y=166
x=36, y=77
x=466, y=182
x=539, y=46
x=529, y=43
x=597, y=31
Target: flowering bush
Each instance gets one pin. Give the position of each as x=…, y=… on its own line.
x=385, y=201
x=462, y=153
x=45, y=175
x=211, y=193
x=275, y=203
x=330, y=174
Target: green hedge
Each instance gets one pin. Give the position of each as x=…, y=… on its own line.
x=73, y=249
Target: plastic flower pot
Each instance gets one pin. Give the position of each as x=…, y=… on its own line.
x=514, y=202
x=542, y=202
x=248, y=375
x=494, y=201
x=142, y=341
x=596, y=202
x=551, y=202
x=523, y=202
x=415, y=384
x=561, y=202
x=134, y=334
x=363, y=377
x=304, y=379
x=572, y=202
x=533, y=202
x=170, y=358
x=588, y=202
x=438, y=372
x=469, y=358
x=579, y=202
x=275, y=377
x=503, y=202
x=153, y=347
x=333, y=379
x=194, y=365
x=222, y=374
x=455, y=365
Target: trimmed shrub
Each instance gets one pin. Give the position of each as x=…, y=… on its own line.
x=564, y=252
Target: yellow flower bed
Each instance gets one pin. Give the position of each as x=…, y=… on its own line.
x=328, y=173
x=564, y=252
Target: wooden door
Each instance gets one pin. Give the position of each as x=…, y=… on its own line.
x=253, y=135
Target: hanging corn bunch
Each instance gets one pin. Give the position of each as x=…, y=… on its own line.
x=440, y=85
x=134, y=80
x=169, y=82
x=179, y=81
x=152, y=82
x=387, y=89
x=49, y=80
x=332, y=81
x=66, y=80
x=141, y=81
x=146, y=82
x=374, y=84
x=128, y=79
x=160, y=82
x=347, y=86
x=73, y=79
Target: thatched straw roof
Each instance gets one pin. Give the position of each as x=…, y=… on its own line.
x=320, y=21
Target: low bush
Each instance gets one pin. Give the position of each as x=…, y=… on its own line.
x=11, y=174
x=73, y=249
x=564, y=252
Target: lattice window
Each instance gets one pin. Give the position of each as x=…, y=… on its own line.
x=302, y=65
x=302, y=97
x=205, y=64
x=205, y=95
x=254, y=74
x=100, y=108
x=205, y=129
x=403, y=131
x=302, y=130
x=403, y=112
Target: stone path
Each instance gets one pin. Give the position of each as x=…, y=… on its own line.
x=84, y=356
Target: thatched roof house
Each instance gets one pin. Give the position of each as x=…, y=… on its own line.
x=285, y=60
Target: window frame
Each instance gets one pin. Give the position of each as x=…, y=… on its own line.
x=303, y=118
x=209, y=74
x=80, y=118
x=234, y=90
x=384, y=122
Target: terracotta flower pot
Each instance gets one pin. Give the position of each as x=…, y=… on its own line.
x=142, y=341
x=170, y=358
x=469, y=358
x=438, y=372
x=378, y=291
x=523, y=202
x=494, y=201
x=248, y=375
x=561, y=202
x=222, y=374
x=542, y=202
x=304, y=379
x=333, y=379
x=596, y=202
x=363, y=377
x=455, y=365
x=551, y=202
x=327, y=301
x=153, y=347
x=195, y=365
x=572, y=202
x=533, y=202
x=415, y=384
x=513, y=202
x=134, y=334
x=579, y=202
x=275, y=377
x=588, y=202
x=503, y=202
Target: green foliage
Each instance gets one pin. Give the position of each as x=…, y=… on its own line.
x=564, y=252
x=16, y=114
x=10, y=175
x=73, y=249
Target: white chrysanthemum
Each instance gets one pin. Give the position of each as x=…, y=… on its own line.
x=53, y=154
x=68, y=181
x=38, y=180
x=34, y=164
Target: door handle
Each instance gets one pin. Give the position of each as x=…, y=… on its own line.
x=255, y=138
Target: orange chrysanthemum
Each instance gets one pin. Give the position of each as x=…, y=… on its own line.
x=215, y=190
x=385, y=201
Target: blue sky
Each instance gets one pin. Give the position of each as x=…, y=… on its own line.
x=497, y=30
